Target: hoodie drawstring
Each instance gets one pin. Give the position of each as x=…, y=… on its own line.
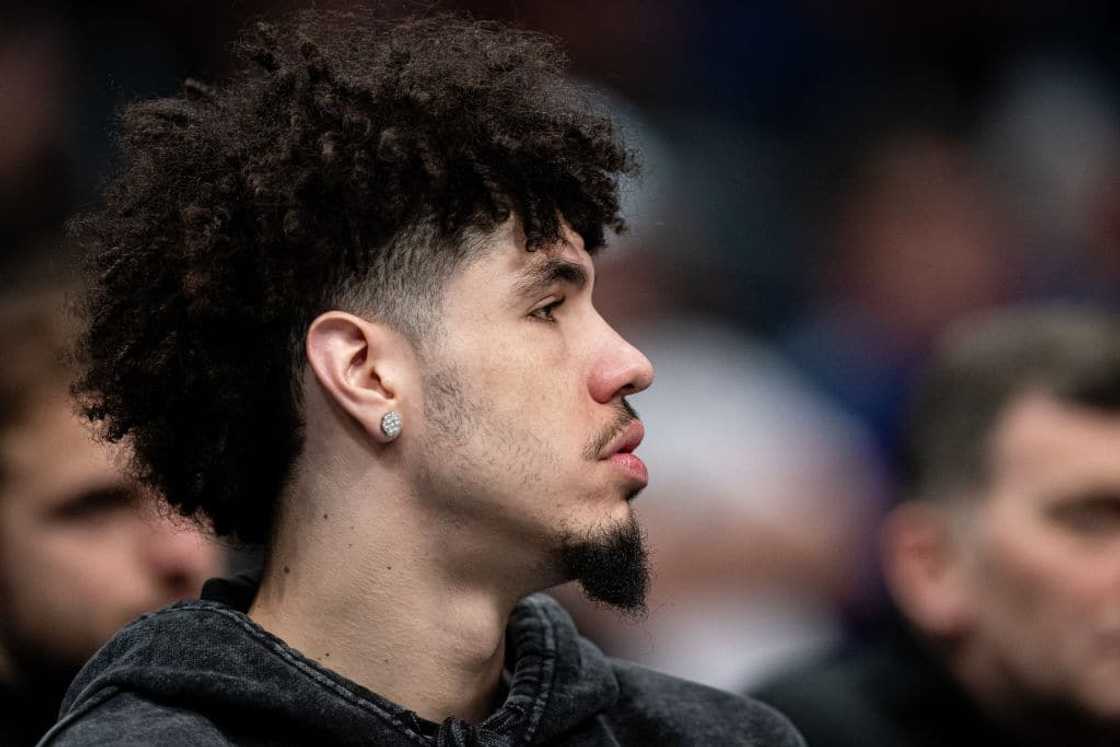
x=455, y=732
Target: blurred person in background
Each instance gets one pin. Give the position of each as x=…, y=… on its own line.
x=80, y=555
x=1005, y=563
x=1051, y=139
x=36, y=105
x=915, y=241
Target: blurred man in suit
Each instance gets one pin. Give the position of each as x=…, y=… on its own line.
x=1005, y=563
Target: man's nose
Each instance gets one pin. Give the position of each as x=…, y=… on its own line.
x=622, y=370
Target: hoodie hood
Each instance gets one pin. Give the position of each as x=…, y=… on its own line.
x=242, y=672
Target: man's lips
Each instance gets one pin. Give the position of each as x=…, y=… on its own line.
x=626, y=441
x=620, y=452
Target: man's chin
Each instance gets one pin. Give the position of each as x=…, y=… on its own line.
x=611, y=565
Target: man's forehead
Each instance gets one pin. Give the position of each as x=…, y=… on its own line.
x=57, y=456
x=1040, y=434
x=509, y=256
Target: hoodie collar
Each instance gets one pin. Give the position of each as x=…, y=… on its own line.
x=207, y=655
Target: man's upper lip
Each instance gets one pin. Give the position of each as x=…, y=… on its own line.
x=627, y=439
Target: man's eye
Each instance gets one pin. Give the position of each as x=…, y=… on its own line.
x=1091, y=516
x=94, y=503
x=545, y=313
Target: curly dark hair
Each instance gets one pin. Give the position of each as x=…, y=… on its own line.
x=347, y=164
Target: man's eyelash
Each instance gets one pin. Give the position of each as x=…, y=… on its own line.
x=544, y=313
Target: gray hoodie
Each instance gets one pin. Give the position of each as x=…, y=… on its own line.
x=203, y=673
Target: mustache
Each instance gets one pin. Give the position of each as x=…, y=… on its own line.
x=625, y=414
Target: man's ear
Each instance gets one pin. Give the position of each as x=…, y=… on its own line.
x=925, y=568
x=360, y=366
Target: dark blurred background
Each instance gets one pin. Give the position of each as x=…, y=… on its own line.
x=826, y=187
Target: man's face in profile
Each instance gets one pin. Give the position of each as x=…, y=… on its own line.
x=78, y=556
x=527, y=433
x=1044, y=571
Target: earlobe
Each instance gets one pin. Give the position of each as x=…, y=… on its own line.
x=922, y=565
x=353, y=362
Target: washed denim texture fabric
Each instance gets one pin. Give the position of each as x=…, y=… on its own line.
x=203, y=673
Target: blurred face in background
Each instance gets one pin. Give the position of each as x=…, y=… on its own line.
x=79, y=555
x=921, y=241
x=1042, y=560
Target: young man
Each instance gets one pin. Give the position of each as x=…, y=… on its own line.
x=341, y=306
x=79, y=557
x=1006, y=565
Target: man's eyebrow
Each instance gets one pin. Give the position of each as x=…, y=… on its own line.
x=540, y=276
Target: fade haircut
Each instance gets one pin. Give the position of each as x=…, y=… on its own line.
x=982, y=367
x=351, y=163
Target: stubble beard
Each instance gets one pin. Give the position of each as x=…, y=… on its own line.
x=610, y=563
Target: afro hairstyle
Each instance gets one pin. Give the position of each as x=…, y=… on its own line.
x=348, y=157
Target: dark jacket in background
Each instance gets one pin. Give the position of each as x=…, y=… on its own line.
x=24, y=718
x=29, y=702
x=203, y=673
x=892, y=694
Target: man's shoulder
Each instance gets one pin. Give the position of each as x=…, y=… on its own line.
x=656, y=708
x=841, y=699
x=120, y=717
x=830, y=677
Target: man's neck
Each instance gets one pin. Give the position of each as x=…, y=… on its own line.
x=366, y=590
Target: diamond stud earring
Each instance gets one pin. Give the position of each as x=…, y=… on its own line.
x=391, y=424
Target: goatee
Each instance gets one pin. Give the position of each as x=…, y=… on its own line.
x=612, y=567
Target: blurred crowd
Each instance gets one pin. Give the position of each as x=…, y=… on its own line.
x=827, y=188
